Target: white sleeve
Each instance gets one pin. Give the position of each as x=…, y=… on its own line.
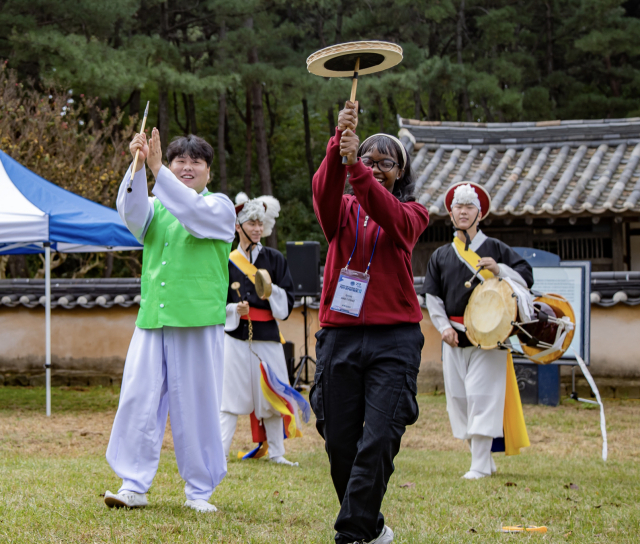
x=278, y=302
x=211, y=216
x=437, y=313
x=233, y=317
x=135, y=208
x=508, y=272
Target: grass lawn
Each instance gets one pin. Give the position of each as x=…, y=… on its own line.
x=53, y=472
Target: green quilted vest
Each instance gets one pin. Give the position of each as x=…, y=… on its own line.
x=184, y=278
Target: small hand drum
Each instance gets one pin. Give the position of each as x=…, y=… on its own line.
x=263, y=284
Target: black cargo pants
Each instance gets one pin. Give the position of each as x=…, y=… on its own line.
x=363, y=397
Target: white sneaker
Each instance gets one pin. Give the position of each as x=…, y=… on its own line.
x=384, y=537
x=127, y=499
x=474, y=475
x=200, y=505
x=280, y=460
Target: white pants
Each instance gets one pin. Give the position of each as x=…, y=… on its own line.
x=475, y=382
x=272, y=425
x=242, y=393
x=177, y=370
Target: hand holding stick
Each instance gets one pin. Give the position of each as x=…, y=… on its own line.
x=468, y=283
x=135, y=160
x=354, y=87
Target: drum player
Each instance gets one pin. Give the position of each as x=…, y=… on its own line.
x=475, y=379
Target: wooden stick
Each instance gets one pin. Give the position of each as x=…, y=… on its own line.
x=354, y=87
x=135, y=159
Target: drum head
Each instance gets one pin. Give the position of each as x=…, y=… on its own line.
x=488, y=316
x=340, y=60
x=263, y=284
x=562, y=308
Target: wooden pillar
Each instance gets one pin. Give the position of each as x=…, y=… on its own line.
x=617, y=245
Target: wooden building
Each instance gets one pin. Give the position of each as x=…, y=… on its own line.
x=568, y=187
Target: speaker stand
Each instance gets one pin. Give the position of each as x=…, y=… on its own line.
x=306, y=357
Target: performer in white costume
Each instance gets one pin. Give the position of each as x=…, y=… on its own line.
x=475, y=379
x=175, y=360
x=242, y=393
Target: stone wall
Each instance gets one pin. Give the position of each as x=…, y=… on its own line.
x=89, y=347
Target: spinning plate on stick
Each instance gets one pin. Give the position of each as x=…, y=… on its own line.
x=352, y=59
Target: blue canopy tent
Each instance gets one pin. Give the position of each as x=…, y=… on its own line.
x=36, y=215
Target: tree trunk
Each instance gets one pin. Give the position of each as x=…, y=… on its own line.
x=339, y=12
x=307, y=140
x=163, y=116
x=262, y=150
x=18, y=266
x=134, y=105
x=380, y=113
x=108, y=265
x=248, y=139
x=549, y=28
x=332, y=121
x=191, y=114
x=459, y=28
x=417, y=110
x=222, y=156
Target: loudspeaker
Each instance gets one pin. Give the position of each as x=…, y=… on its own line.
x=304, y=263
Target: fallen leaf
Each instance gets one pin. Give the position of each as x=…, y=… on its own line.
x=571, y=486
x=421, y=497
x=408, y=484
x=276, y=493
x=568, y=534
x=472, y=530
x=527, y=489
x=281, y=501
x=100, y=494
x=511, y=484
x=599, y=506
x=570, y=499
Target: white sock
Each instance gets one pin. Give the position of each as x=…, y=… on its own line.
x=282, y=461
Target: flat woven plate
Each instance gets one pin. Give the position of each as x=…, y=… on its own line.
x=490, y=312
x=340, y=60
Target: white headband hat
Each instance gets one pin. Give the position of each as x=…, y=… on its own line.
x=466, y=194
x=402, y=149
x=264, y=208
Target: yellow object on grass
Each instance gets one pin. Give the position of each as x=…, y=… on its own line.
x=524, y=529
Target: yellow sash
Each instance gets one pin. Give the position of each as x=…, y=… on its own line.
x=249, y=270
x=515, y=429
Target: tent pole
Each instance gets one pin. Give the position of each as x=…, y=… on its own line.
x=47, y=287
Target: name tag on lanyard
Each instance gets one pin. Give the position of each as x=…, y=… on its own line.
x=352, y=285
x=350, y=292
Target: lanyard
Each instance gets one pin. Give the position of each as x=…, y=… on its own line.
x=356, y=244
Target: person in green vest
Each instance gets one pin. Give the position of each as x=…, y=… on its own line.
x=175, y=361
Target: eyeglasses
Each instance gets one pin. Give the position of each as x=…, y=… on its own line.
x=384, y=165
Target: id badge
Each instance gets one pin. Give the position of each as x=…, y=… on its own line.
x=350, y=291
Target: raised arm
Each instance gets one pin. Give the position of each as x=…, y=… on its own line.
x=403, y=222
x=135, y=208
x=328, y=182
x=211, y=216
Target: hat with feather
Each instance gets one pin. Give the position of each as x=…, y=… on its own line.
x=264, y=209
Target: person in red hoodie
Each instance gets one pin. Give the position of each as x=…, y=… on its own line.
x=368, y=349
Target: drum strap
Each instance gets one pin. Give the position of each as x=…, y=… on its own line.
x=469, y=257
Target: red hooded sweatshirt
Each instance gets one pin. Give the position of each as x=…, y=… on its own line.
x=390, y=298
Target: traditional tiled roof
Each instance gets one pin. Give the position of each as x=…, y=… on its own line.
x=607, y=289
x=71, y=293
x=545, y=168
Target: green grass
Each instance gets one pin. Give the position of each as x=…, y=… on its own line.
x=53, y=495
